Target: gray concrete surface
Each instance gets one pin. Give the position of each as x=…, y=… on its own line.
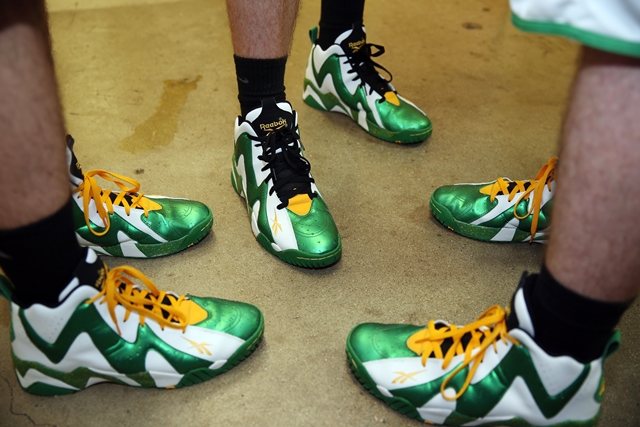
x=496, y=97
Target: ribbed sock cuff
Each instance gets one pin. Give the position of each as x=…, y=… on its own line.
x=567, y=323
x=336, y=17
x=259, y=79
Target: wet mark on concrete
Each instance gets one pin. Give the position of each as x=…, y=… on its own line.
x=160, y=129
x=419, y=216
x=472, y=26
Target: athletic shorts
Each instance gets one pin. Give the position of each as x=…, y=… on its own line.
x=609, y=25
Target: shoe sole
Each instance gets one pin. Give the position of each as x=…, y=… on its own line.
x=83, y=374
x=402, y=137
x=407, y=408
x=156, y=250
x=290, y=256
x=478, y=232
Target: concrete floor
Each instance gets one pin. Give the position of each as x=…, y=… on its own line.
x=150, y=85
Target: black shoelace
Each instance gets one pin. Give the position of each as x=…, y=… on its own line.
x=288, y=169
x=365, y=69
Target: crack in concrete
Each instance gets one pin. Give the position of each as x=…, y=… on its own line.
x=21, y=413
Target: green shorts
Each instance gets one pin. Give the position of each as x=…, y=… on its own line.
x=609, y=25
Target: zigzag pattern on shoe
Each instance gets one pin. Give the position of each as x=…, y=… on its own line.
x=344, y=79
x=288, y=215
x=499, y=211
x=107, y=328
x=480, y=374
x=126, y=222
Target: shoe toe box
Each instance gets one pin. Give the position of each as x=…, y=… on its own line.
x=374, y=341
x=404, y=118
x=316, y=232
x=463, y=202
x=178, y=218
x=231, y=317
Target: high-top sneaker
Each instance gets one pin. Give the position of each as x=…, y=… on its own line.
x=107, y=328
x=480, y=374
x=499, y=211
x=127, y=223
x=344, y=79
x=288, y=216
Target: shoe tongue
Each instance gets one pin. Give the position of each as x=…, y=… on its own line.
x=513, y=185
x=75, y=170
x=271, y=117
x=354, y=41
x=448, y=342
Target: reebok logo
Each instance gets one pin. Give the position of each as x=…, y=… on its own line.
x=355, y=46
x=101, y=276
x=277, y=125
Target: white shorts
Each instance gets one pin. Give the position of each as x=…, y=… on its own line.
x=609, y=25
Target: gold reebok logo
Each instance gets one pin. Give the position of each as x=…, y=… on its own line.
x=276, y=226
x=273, y=126
x=201, y=347
x=403, y=377
x=355, y=46
x=101, y=275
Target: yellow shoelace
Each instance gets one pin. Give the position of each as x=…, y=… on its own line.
x=545, y=176
x=491, y=326
x=90, y=190
x=117, y=289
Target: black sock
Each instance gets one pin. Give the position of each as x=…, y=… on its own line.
x=336, y=17
x=566, y=323
x=259, y=79
x=39, y=258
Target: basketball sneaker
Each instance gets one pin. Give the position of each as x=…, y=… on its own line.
x=499, y=211
x=344, y=79
x=481, y=374
x=108, y=328
x=288, y=216
x=127, y=223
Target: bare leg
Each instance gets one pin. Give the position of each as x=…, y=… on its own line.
x=262, y=29
x=594, y=248
x=32, y=156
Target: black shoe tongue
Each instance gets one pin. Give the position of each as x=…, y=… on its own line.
x=272, y=119
x=74, y=166
x=356, y=40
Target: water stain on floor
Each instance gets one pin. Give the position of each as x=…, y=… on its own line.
x=161, y=127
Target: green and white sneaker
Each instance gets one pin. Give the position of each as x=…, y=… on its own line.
x=499, y=211
x=108, y=329
x=288, y=216
x=477, y=375
x=127, y=223
x=344, y=79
